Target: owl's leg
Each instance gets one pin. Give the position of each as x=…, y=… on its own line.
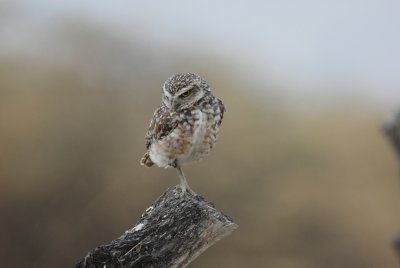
x=184, y=185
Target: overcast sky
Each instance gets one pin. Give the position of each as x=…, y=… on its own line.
x=311, y=41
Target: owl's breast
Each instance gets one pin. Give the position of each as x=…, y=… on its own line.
x=192, y=139
x=201, y=131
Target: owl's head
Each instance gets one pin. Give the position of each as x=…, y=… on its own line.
x=182, y=91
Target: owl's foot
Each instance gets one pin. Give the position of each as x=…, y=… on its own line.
x=186, y=189
x=184, y=185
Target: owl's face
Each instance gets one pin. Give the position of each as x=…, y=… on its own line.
x=182, y=91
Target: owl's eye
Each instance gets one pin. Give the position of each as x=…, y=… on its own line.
x=185, y=94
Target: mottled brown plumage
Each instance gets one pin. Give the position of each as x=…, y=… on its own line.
x=185, y=127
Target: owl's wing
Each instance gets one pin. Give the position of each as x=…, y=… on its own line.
x=161, y=125
x=222, y=109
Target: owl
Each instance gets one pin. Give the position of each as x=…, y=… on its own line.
x=185, y=126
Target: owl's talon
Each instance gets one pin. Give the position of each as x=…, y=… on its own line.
x=185, y=189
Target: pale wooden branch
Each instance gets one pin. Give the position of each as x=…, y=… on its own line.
x=172, y=232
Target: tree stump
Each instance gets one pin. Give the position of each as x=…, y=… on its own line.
x=172, y=232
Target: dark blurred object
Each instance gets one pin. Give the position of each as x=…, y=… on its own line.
x=172, y=232
x=396, y=243
x=392, y=129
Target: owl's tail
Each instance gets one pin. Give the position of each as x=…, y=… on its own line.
x=146, y=161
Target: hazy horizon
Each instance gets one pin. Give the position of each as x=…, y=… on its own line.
x=327, y=49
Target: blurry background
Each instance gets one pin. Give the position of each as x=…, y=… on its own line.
x=301, y=164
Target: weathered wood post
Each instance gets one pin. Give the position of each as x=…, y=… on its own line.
x=172, y=232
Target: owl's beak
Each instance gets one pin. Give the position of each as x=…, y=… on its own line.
x=173, y=105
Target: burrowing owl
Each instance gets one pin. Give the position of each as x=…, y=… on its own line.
x=185, y=127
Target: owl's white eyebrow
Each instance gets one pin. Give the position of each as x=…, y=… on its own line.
x=185, y=89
